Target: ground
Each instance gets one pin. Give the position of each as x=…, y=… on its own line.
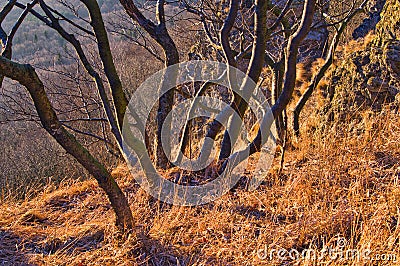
x=338, y=186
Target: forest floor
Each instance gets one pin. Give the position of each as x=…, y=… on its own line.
x=338, y=195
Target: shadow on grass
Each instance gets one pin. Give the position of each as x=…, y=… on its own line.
x=13, y=249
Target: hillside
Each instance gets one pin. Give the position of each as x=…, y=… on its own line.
x=331, y=197
x=332, y=186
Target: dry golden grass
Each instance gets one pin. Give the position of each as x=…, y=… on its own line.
x=341, y=182
x=357, y=45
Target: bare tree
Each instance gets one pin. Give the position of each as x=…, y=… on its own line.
x=26, y=76
x=160, y=34
x=328, y=62
x=283, y=65
x=247, y=35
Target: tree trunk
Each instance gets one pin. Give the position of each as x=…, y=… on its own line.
x=113, y=122
x=239, y=104
x=278, y=71
x=26, y=76
x=118, y=95
x=288, y=87
x=166, y=101
x=160, y=34
x=317, y=78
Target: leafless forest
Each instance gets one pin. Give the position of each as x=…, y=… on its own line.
x=329, y=70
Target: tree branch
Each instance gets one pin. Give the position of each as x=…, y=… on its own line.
x=328, y=62
x=90, y=70
x=225, y=31
x=26, y=76
x=119, y=98
x=288, y=87
x=7, y=52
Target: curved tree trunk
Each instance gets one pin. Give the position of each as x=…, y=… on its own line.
x=54, y=23
x=160, y=34
x=119, y=99
x=278, y=71
x=317, y=78
x=166, y=101
x=26, y=76
x=288, y=86
x=239, y=104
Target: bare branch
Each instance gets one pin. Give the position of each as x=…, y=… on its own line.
x=90, y=70
x=119, y=98
x=26, y=76
x=328, y=62
x=291, y=61
x=281, y=16
x=225, y=31
x=70, y=21
x=160, y=12
x=7, y=52
x=3, y=14
x=288, y=86
x=136, y=15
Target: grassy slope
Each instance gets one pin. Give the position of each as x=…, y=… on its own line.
x=339, y=185
x=336, y=183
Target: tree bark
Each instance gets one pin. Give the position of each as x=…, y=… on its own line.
x=254, y=71
x=26, y=76
x=317, y=78
x=166, y=101
x=119, y=98
x=160, y=34
x=278, y=72
x=291, y=59
x=288, y=87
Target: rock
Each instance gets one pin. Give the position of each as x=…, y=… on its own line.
x=369, y=23
x=366, y=80
x=392, y=58
x=376, y=84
